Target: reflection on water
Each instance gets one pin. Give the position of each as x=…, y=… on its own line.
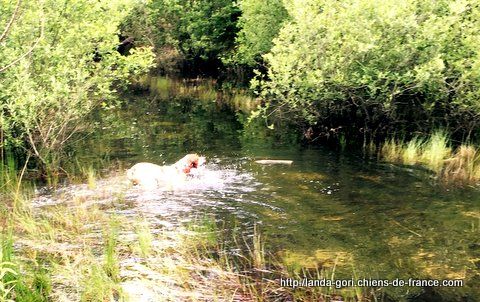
x=328, y=209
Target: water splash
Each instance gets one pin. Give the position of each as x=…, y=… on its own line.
x=216, y=187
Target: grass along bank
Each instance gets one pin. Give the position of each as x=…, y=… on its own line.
x=81, y=249
x=456, y=166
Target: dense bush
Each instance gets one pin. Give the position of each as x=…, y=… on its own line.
x=370, y=67
x=58, y=62
x=258, y=25
x=187, y=35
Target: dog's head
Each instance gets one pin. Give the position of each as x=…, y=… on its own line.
x=190, y=161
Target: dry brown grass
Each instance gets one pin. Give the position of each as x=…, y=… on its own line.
x=463, y=167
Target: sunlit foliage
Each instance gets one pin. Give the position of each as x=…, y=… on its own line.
x=58, y=62
x=377, y=65
x=259, y=24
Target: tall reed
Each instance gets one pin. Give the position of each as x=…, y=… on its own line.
x=435, y=150
x=412, y=151
x=391, y=150
x=460, y=166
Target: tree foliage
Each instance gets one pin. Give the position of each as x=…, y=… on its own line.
x=374, y=64
x=259, y=24
x=184, y=31
x=58, y=62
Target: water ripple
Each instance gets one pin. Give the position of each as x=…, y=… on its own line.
x=214, y=188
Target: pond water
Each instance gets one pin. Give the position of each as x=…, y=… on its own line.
x=329, y=209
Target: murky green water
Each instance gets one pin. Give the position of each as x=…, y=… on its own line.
x=329, y=209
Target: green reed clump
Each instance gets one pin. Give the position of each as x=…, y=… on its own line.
x=90, y=175
x=54, y=248
x=111, y=263
x=391, y=150
x=8, y=174
x=159, y=85
x=257, y=250
x=32, y=285
x=8, y=269
x=13, y=188
x=98, y=286
x=430, y=152
x=242, y=101
x=411, y=152
x=259, y=275
x=435, y=150
x=461, y=166
x=145, y=238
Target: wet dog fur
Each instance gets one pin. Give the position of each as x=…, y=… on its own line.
x=152, y=175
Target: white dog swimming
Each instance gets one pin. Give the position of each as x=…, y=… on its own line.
x=150, y=175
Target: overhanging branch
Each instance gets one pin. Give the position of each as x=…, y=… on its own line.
x=10, y=22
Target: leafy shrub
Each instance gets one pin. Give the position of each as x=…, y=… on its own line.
x=373, y=66
x=185, y=34
x=59, y=62
x=259, y=24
